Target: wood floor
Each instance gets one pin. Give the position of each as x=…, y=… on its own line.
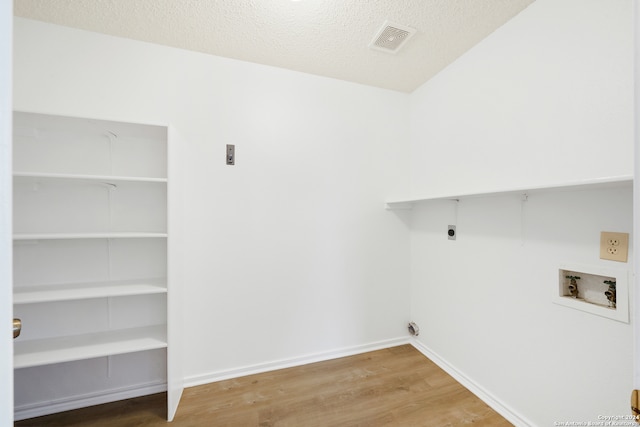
x=392, y=387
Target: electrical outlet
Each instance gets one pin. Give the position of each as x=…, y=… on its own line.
x=614, y=246
x=451, y=232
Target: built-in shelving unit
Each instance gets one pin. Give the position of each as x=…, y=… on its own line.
x=608, y=182
x=90, y=258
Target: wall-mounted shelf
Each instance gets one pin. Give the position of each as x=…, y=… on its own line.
x=607, y=182
x=78, y=291
x=71, y=348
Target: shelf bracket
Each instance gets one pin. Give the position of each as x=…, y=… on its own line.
x=111, y=185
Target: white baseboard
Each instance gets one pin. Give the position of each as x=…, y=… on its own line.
x=495, y=403
x=196, y=380
x=97, y=398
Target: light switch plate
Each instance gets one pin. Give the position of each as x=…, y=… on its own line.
x=614, y=246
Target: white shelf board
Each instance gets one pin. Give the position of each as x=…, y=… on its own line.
x=79, y=177
x=106, y=235
x=608, y=182
x=80, y=347
x=79, y=291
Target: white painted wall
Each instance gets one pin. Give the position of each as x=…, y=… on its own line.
x=6, y=310
x=289, y=254
x=546, y=99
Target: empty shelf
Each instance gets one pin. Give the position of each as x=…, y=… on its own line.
x=79, y=347
x=86, y=177
x=106, y=235
x=78, y=291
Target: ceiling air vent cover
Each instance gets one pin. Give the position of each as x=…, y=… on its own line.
x=391, y=37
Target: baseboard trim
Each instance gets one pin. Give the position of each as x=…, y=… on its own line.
x=39, y=409
x=211, y=377
x=495, y=403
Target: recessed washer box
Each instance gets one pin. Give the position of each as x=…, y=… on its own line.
x=591, y=290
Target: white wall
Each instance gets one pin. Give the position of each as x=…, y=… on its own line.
x=546, y=99
x=289, y=254
x=6, y=312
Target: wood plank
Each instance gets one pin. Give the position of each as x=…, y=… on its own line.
x=391, y=387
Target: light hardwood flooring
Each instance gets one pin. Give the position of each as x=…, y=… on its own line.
x=392, y=387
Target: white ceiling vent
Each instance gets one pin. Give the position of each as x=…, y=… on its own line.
x=391, y=37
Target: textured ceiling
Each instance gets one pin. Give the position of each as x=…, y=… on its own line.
x=324, y=37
